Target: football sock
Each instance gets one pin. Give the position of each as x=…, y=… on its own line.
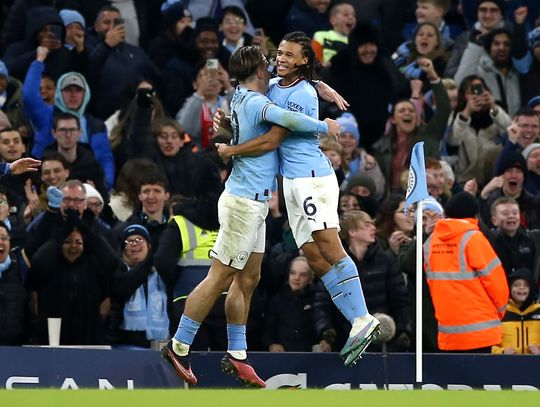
x=187, y=329
x=237, y=344
x=343, y=284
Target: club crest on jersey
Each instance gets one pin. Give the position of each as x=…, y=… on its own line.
x=241, y=257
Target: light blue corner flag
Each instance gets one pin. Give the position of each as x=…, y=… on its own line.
x=416, y=182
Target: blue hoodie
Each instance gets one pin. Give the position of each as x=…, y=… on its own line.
x=41, y=116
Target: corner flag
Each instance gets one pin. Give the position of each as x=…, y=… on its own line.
x=416, y=181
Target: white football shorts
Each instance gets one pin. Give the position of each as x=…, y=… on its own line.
x=242, y=229
x=312, y=204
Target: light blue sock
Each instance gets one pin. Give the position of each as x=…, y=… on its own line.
x=343, y=284
x=187, y=329
x=236, y=335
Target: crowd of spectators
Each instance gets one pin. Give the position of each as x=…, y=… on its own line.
x=117, y=99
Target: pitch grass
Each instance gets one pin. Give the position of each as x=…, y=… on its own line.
x=260, y=398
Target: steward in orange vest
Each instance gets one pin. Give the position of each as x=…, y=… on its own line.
x=467, y=282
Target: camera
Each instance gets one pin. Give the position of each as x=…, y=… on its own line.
x=118, y=21
x=477, y=89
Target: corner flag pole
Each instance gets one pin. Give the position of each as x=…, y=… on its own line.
x=416, y=192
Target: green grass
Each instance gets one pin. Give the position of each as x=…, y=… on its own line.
x=260, y=398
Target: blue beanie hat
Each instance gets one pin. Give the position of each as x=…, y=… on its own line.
x=72, y=16
x=135, y=229
x=4, y=70
x=348, y=124
x=173, y=11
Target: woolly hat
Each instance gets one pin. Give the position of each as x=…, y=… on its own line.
x=529, y=149
x=72, y=16
x=348, y=124
x=461, y=205
x=534, y=101
x=512, y=160
x=499, y=3
x=527, y=275
x=4, y=70
x=431, y=204
x=534, y=38
x=362, y=180
x=92, y=192
x=135, y=229
x=173, y=11
x=364, y=33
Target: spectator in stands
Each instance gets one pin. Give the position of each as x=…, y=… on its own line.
x=213, y=90
x=432, y=11
x=11, y=102
x=54, y=172
x=426, y=43
x=467, y=282
x=382, y=281
x=333, y=150
x=508, y=181
x=83, y=165
x=125, y=196
x=326, y=44
x=292, y=324
x=142, y=109
x=356, y=160
x=72, y=96
x=169, y=147
x=394, y=227
x=116, y=65
x=210, y=9
x=95, y=203
x=75, y=25
x=13, y=294
x=516, y=246
x=151, y=210
x=14, y=222
x=435, y=180
x=532, y=156
x=493, y=63
x=44, y=28
x=138, y=294
x=173, y=39
x=12, y=161
x=71, y=273
x=347, y=202
x=179, y=73
x=361, y=69
x=490, y=15
x=392, y=150
x=308, y=16
x=521, y=323
x=232, y=26
x=478, y=124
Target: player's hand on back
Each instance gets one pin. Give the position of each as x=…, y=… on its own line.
x=223, y=151
x=220, y=120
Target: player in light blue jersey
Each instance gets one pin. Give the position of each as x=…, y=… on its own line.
x=242, y=208
x=311, y=191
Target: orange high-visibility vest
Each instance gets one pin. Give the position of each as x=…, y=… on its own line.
x=468, y=285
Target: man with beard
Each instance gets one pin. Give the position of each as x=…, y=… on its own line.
x=493, y=62
x=509, y=182
x=361, y=70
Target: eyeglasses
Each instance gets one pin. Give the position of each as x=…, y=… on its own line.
x=4, y=238
x=135, y=241
x=68, y=200
x=486, y=10
x=94, y=205
x=233, y=21
x=64, y=130
x=3, y=202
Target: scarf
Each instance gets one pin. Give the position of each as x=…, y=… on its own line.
x=150, y=316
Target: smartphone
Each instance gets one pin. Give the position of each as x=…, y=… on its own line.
x=477, y=89
x=212, y=66
x=259, y=32
x=118, y=21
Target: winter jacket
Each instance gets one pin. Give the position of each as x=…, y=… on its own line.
x=467, y=283
x=475, y=60
x=521, y=328
x=41, y=115
x=473, y=146
x=13, y=306
x=13, y=107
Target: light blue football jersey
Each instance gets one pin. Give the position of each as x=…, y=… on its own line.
x=299, y=153
x=251, y=177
